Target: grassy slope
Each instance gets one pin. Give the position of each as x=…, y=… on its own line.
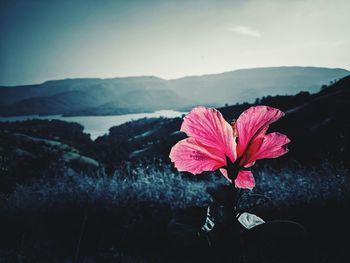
x=128, y=213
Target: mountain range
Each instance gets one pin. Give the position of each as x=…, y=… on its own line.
x=93, y=96
x=317, y=125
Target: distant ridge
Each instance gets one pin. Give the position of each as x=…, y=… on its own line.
x=94, y=96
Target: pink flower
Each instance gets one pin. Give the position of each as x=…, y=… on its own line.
x=215, y=144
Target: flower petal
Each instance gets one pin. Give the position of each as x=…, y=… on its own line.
x=245, y=179
x=253, y=123
x=191, y=156
x=273, y=146
x=208, y=126
x=253, y=147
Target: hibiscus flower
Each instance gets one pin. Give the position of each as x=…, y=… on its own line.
x=215, y=144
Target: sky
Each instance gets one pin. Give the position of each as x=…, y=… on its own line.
x=45, y=40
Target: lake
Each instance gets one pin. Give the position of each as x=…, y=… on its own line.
x=99, y=125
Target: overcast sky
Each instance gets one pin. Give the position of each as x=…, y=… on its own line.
x=42, y=40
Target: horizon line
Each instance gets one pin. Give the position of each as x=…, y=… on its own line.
x=169, y=79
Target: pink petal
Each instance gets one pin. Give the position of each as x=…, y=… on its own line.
x=253, y=147
x=273, y=146
x=245, y=180
x=208, y=126
x=191, y=156
x=253, y=123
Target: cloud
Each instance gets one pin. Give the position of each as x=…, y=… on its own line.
x=245, y=30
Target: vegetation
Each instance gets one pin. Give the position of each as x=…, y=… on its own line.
x=67, y=198
x=127, y=214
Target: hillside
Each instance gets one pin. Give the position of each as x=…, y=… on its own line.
x=248, y=84
x=309, y=120
x=140, y=94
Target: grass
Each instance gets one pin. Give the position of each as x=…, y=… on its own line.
x=149, y=184
x=127, y=213
x=161, y=184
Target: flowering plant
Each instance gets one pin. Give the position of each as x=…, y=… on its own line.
x=232, y=148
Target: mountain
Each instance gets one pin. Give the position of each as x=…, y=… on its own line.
x=248, y=84
x=136, y=101
x=142, y=94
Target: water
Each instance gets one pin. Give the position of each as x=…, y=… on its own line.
x=99, y=125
